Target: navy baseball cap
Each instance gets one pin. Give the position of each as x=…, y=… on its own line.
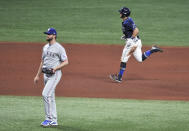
x=51, y=31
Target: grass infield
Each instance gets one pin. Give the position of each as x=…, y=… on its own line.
x=163, y=22
x=19, y=113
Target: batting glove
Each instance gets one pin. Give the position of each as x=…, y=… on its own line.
x=123, y=37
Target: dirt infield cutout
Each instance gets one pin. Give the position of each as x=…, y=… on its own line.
x=164, y=76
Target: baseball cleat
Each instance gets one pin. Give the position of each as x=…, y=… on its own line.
x=48, y=123
x=52, y=123
x=115, y=78
x=156, y=49
x=45, y=123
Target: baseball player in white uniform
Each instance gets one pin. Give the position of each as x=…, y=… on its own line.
x=133, y=44
x=54, y=58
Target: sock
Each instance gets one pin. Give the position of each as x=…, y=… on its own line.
x=121, y=72
x=146, y=54
x=122, y=69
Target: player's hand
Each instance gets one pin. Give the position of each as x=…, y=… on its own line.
x=123, y=37
x=36, y=79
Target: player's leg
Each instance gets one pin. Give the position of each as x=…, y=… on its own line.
x=147, y=53
x=124, y=58
x=54, y=112
x=47, y=102
x=49, y=98
x=121, y=71
x=138, y=52
x=45, y=98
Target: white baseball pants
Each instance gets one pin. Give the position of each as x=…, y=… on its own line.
x=132, y=47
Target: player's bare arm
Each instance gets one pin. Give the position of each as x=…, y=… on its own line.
x=36, y=79
x=135, y=32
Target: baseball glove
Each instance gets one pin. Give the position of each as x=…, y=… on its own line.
x=48, y=71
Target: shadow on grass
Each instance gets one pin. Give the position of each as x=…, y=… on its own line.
x=66, y=128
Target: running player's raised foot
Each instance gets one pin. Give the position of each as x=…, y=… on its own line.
x=156, y=49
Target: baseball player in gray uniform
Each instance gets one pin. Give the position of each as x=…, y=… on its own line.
x=54, y=58
x=133, y=44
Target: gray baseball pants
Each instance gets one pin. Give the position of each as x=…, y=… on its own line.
x=49, y=95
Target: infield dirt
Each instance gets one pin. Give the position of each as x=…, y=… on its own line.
x=164, y=76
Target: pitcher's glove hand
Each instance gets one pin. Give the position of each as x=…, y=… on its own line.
x=48, y=71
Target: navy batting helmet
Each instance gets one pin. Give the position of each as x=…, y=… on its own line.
x=125, y=12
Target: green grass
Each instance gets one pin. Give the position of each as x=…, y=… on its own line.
x=164, y=22
x=89, y=114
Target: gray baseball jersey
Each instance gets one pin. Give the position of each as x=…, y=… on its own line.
x=52, y=56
